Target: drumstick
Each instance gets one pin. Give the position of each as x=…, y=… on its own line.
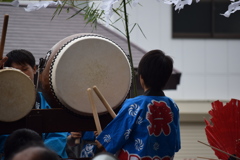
x=95, y=114
x=219, y=150
x=104, y=101
x=4, y=32
x=94, y=109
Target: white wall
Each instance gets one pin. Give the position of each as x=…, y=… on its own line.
x=210, y=67
x=210, y=71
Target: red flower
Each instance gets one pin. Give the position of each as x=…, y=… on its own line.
x=159, y=116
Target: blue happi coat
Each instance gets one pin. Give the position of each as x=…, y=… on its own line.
x=146, y=128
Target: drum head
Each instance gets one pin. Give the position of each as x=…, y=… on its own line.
x=17, y=95
x=83, y=62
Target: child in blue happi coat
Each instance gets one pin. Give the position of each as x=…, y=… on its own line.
x=147, y=126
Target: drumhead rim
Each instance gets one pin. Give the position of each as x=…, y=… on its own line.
x=54, y=61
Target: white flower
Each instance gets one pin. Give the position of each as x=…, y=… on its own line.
x=156, y=146
x=15, y=3
x=139, y=120
x=233, y=7
x=107, y=6
x=42, y=4
x=179, y=4
x=127, y=133
x=133, y=110
x=139, y=144
x=107, y=138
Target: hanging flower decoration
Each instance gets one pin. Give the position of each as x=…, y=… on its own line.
x=41, y=4
x=37, y=5
x=107, y=6
x=233, y=7
x=179, y=4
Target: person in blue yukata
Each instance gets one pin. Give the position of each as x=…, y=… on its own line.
x=88, y=149
x=147, y=126
x=24, y=60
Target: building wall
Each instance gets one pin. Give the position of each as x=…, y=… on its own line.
x=210, y=67
x=210, y=71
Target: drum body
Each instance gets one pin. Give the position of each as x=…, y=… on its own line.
x=17, y=95
x=79, y=62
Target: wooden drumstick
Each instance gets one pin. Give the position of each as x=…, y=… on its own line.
x=4, y=32
x=94, y=109
x=104, y=101
x=95, y=114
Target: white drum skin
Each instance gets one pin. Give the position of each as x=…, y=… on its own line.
x=79, y=62
x=17, y=95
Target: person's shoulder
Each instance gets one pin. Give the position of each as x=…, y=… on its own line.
x=169, y=99
x=171, y=102
x=134, y=99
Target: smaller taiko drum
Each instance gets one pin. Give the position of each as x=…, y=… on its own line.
x=17, y=95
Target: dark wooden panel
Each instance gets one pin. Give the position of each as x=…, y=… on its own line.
x=54, y=120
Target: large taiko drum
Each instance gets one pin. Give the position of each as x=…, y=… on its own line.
x=17, y=95
x=82, y=61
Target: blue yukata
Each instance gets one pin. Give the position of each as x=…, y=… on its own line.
x=55, y=141
x=88, y=149
x=146, y=128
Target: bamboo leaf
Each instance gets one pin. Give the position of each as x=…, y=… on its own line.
x=120, y=18
x=141, y=30
x=133, y=27
x=59, y=9
x=76, y=13
x=118, y=30
x=135, y=24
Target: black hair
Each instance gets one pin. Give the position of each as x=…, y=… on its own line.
x=46, y=154
x=155, y=69
x=38, y=153
x=20, y=138
x=21, y=57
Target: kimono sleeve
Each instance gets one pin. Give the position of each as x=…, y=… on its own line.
x=57, y=142
x=117, y=132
